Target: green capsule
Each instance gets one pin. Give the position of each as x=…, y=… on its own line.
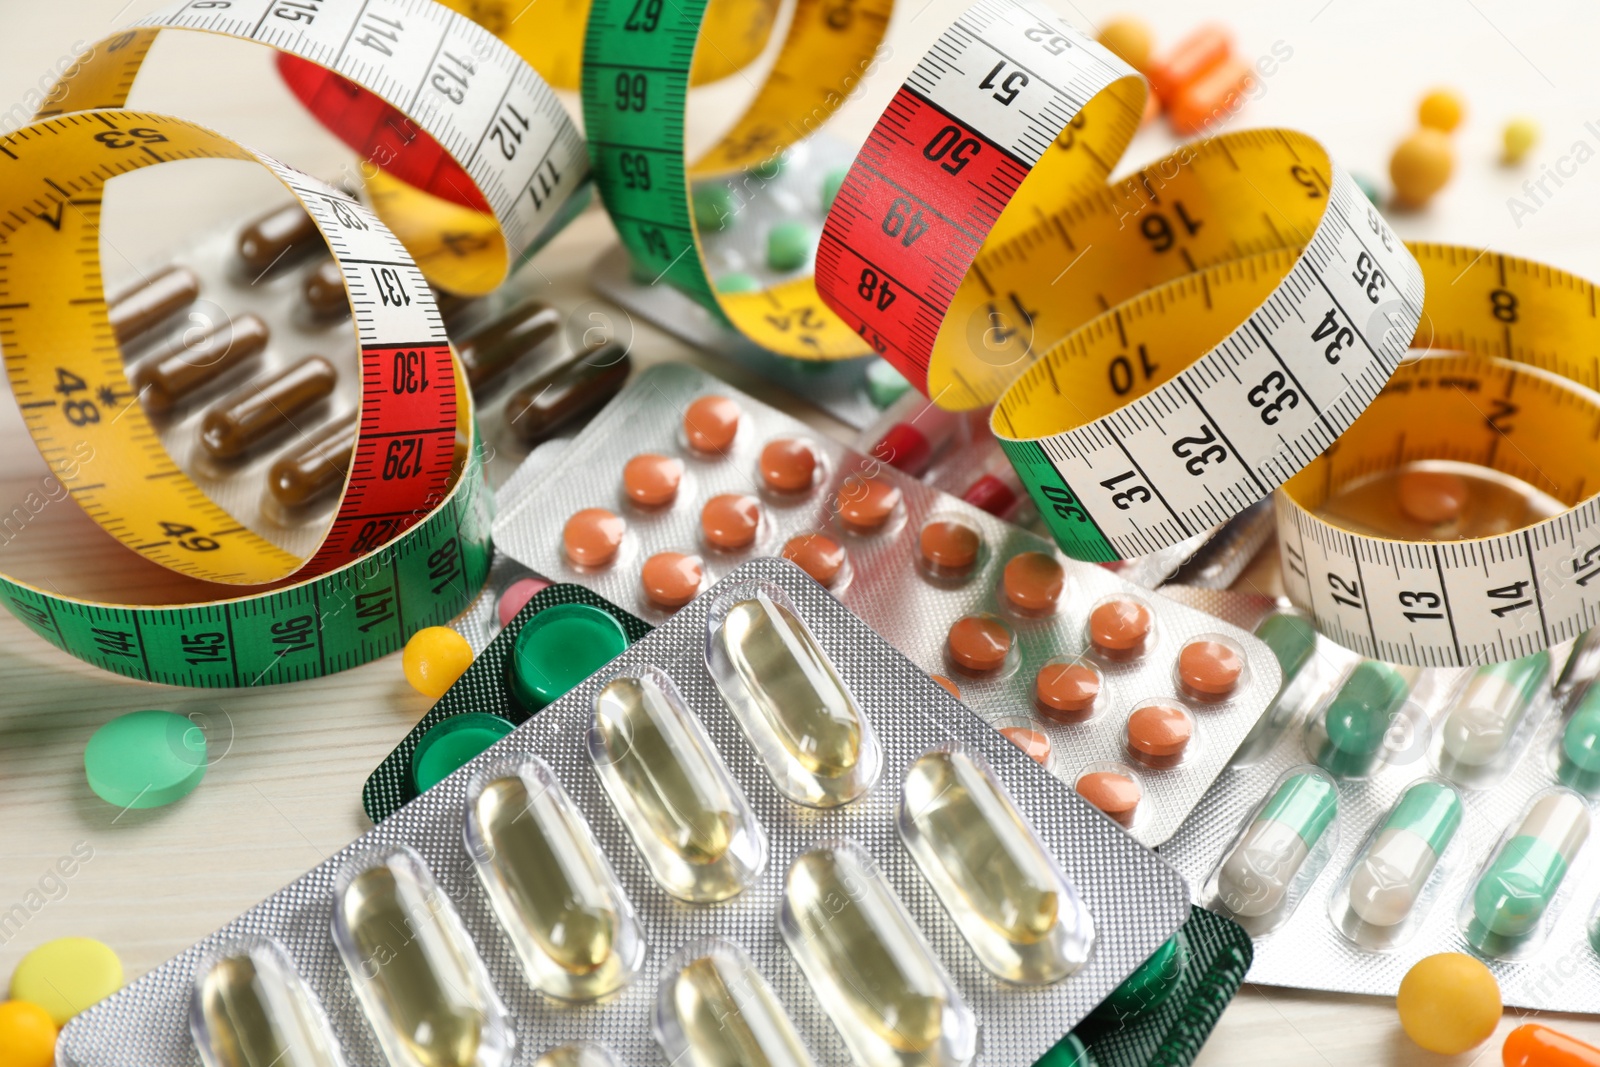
x=1292, y=639
x=1579, y=760
x=1350, y=740
x=1514, y=891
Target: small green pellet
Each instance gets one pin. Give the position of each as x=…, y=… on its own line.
x=1368, y=187
x=738, y=282
x=831, y=184
x=885, y=385
x=713, y=207
x=788, y=246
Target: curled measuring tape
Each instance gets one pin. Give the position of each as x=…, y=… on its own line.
x=976, y=245
x=65, y=369
x=1521, y=404
x=443, y=104
x=636, y=74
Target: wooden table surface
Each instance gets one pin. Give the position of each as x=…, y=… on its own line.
x=288, y=762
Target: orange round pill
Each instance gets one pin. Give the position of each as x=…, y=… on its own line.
x=671, y=579
x=1120, y=625
x=948, y=546
x=1115, y=794
x=652, y=481
x=731, y=520
x=1032, y=581
x=1432, y=497
x=1159, y=733
x=1066, y=692
x=1032, y=742
x=949, y=686
x=865, y=504
x=979, y=644
x=711, y=423
x=788, y=465
x=817, y=554
x=1209, y=668
x=592, y=537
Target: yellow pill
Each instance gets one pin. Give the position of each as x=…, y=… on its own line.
x=1441, y=110
x=1129, y=38
x=66, y=976
x=434, y=658
x=27, y=1035
x=1420, y=167
x=1448, y=1003
x=1521, y=134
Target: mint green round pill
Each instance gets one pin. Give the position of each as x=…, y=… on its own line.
x=560, y=647
x=788, y=245
x=738, y=282
x=885, y=385
x=713, y=207
x=1369, y=188
x=145, y=759
x=451, y=744
x=831, y=184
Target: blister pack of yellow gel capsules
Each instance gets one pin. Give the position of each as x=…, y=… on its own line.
x=758, y=835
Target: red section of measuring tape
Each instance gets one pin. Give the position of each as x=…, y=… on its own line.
x=408, y=431
x=876, y=219
x=382, y=134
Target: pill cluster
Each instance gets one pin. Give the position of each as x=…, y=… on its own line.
x=1379, y=814
x=823, y=806
x=1137, y=702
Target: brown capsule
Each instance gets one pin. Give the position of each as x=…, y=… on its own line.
x=239, y=422
x=317, y=466
x=180, y=366
x=567, y=392
x=278, y=238
x=495, y=347
x=325, y=293
x=137, y=310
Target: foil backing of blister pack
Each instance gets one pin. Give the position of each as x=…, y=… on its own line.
x=1308, y=951
x=1136, y=900
x=886, y=588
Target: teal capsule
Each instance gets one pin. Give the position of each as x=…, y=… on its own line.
x=1358, y=717
x=1579, y=757
x=1292, y=639
x=1516, y=888
x=788, y=245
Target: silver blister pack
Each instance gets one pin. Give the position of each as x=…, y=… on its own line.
x=1558, y=971
x=1134, y=899
x=883, y=583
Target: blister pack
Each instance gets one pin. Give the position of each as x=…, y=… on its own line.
x=1135, y=701
x=1381, y=814
x=684, y=898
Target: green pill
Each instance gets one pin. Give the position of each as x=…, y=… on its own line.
x=1516, y=888
x=788, y=246
x=560, y=647
x=885, y=385
x=1291, y=638
x=831, y=184
x=1579, y=759
x=1358, y=717
x=451, y=744
x=738, y=282
x=145, y=759
x=713, y=207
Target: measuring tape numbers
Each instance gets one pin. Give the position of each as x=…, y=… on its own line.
x=1520, y=403
x=636, y=76
x=420, y=91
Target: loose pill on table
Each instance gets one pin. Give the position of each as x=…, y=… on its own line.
x=865, y=504
x=651, y=480
x=1066, y=692
x=27, y=1035
x=490, y=350
x=788, y=465
x=730, y=521
x=516, y=597
x=713, y=206
x=711, y=423
x=1129, y=39
x=177, y=368
x=1420, y=167
x=1120, y=625
x=947, y=685
x=141, y=308
x=316, y=466
x=1518, y=139
x=1433, y=497
x=1158, y=734
x=1213, y=97
x=978, y=643
x=1035, y=744
x=324, y=291
x=1115, y=794
x=1190, y=58
x=66, y=976
x=434, y=658
x=560, y=647
x=671, y=579
x=788, y=246
x=451, y=743
x=567, y=392
x=1442, y=110
x=592, y=536
x=949, y=547
x=1448, y=1003
x=817, y=554
x=145, y=759
x=1210, y=669
x=1532, y=1045
x=278, y=238
x=1033, y=581
x=258, y=411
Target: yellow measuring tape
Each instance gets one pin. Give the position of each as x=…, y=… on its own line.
x=1521, y=405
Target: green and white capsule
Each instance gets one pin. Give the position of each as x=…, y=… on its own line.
x=1578, y=758
x=1513, y=892
x=1255, y=877
x=1347, y=738
x=1388, y=876
x=1476, y=735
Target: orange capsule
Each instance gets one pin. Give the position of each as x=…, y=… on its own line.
x=1532, y=1045
x=1211, y=98
x=1189, y=59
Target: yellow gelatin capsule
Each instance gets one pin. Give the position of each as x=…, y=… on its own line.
x=888, y=995
x=415, y=970
x=801, y=718
x=687, y=816
x=1024, y=921
x=578, y=1054
x=714, y=1009
x=252, y=1008
x=555, y=895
